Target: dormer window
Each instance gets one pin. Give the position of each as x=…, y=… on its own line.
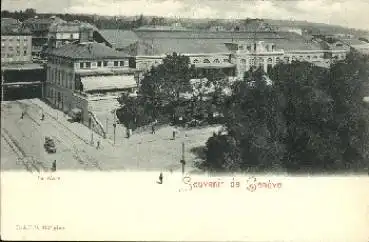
x=116, y=63
x=121, y=63
x=99, y=63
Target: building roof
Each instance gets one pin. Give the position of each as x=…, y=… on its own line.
x=14, y=30
x=119, y=38
x=165, y=42
x=86, y=51
x=100, y=83
x=43, y=20
x=9, y=21
x=21, y=66
x=69, y=27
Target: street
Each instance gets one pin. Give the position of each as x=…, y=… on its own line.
x=23, y=139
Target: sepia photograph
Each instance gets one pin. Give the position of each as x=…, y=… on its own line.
x=178, y=89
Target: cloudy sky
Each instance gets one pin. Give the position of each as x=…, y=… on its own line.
x=350, y=13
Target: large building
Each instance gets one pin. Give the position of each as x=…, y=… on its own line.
x=80, y=72
x=61, y=33
x=40, y=29
x=234, y=52
x=16, y=42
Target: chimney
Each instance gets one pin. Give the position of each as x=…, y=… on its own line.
x=86, y=34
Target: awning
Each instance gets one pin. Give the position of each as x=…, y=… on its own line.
x=103, y=83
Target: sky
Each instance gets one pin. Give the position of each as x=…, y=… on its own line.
x=348, y=13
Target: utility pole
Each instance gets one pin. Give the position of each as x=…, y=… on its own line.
x=2, y=85
x=183, y=162
x=114, y=125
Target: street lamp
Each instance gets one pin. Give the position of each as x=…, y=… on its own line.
x=183, y=162
x=114, y=126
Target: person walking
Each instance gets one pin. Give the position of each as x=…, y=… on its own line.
x=153, y=129
x=42, y=116
x=22, y=115
x=161, y=178
x=174, y=133
x=53, y=168
x=98, y=145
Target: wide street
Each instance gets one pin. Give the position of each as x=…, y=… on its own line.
x=22, y=143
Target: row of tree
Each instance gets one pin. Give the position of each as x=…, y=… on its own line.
x=310, y=120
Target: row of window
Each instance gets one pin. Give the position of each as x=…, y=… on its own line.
x=10, y=44
x=11, y=38
x=87, y=65
x=61, y=78
x=12, y=53
x=207, y=61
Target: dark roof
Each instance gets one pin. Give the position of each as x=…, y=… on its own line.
x=86, y=51
x=119, y=38
x=164, y=42
x=14, y=30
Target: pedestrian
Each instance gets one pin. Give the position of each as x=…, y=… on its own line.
x=161, y=178
x=98, y=145
x=174, y=133
x=153, y=129
x=53, y=168
x=42, y=116
x=22, y=115
x=128, y=134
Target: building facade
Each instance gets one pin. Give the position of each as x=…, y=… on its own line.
x=39, y=28
x=266, y=55
x=16, y=44
x=79, y=71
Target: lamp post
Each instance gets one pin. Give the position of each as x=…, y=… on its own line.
x=183, y=162
x=114, y=126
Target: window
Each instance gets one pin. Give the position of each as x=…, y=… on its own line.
x=105, y=63
x=286, y=59
x=88, y=64
x=11, y=48
x=195, y=61
x=121, y=63
x=99, y=63
x=71, y=36
x=81, y=65
x=240, y=47
x=25, y=52
x=18, y=52
x=226, y=60
x=116, y=63
x=243, y=61
x=206, y=61
x=249, y=47
x=270, y=60
x=216, y=61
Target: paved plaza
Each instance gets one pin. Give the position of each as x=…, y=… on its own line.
x=23, y=139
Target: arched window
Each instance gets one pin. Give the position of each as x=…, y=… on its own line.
x=277, y=59
x=195, y=61
x=308, y=57
x=216, y=61
x=206, y=61
x=315, y=57
x=286, y=59
x=243, y=61
x=270, y=60
x=226, y=60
